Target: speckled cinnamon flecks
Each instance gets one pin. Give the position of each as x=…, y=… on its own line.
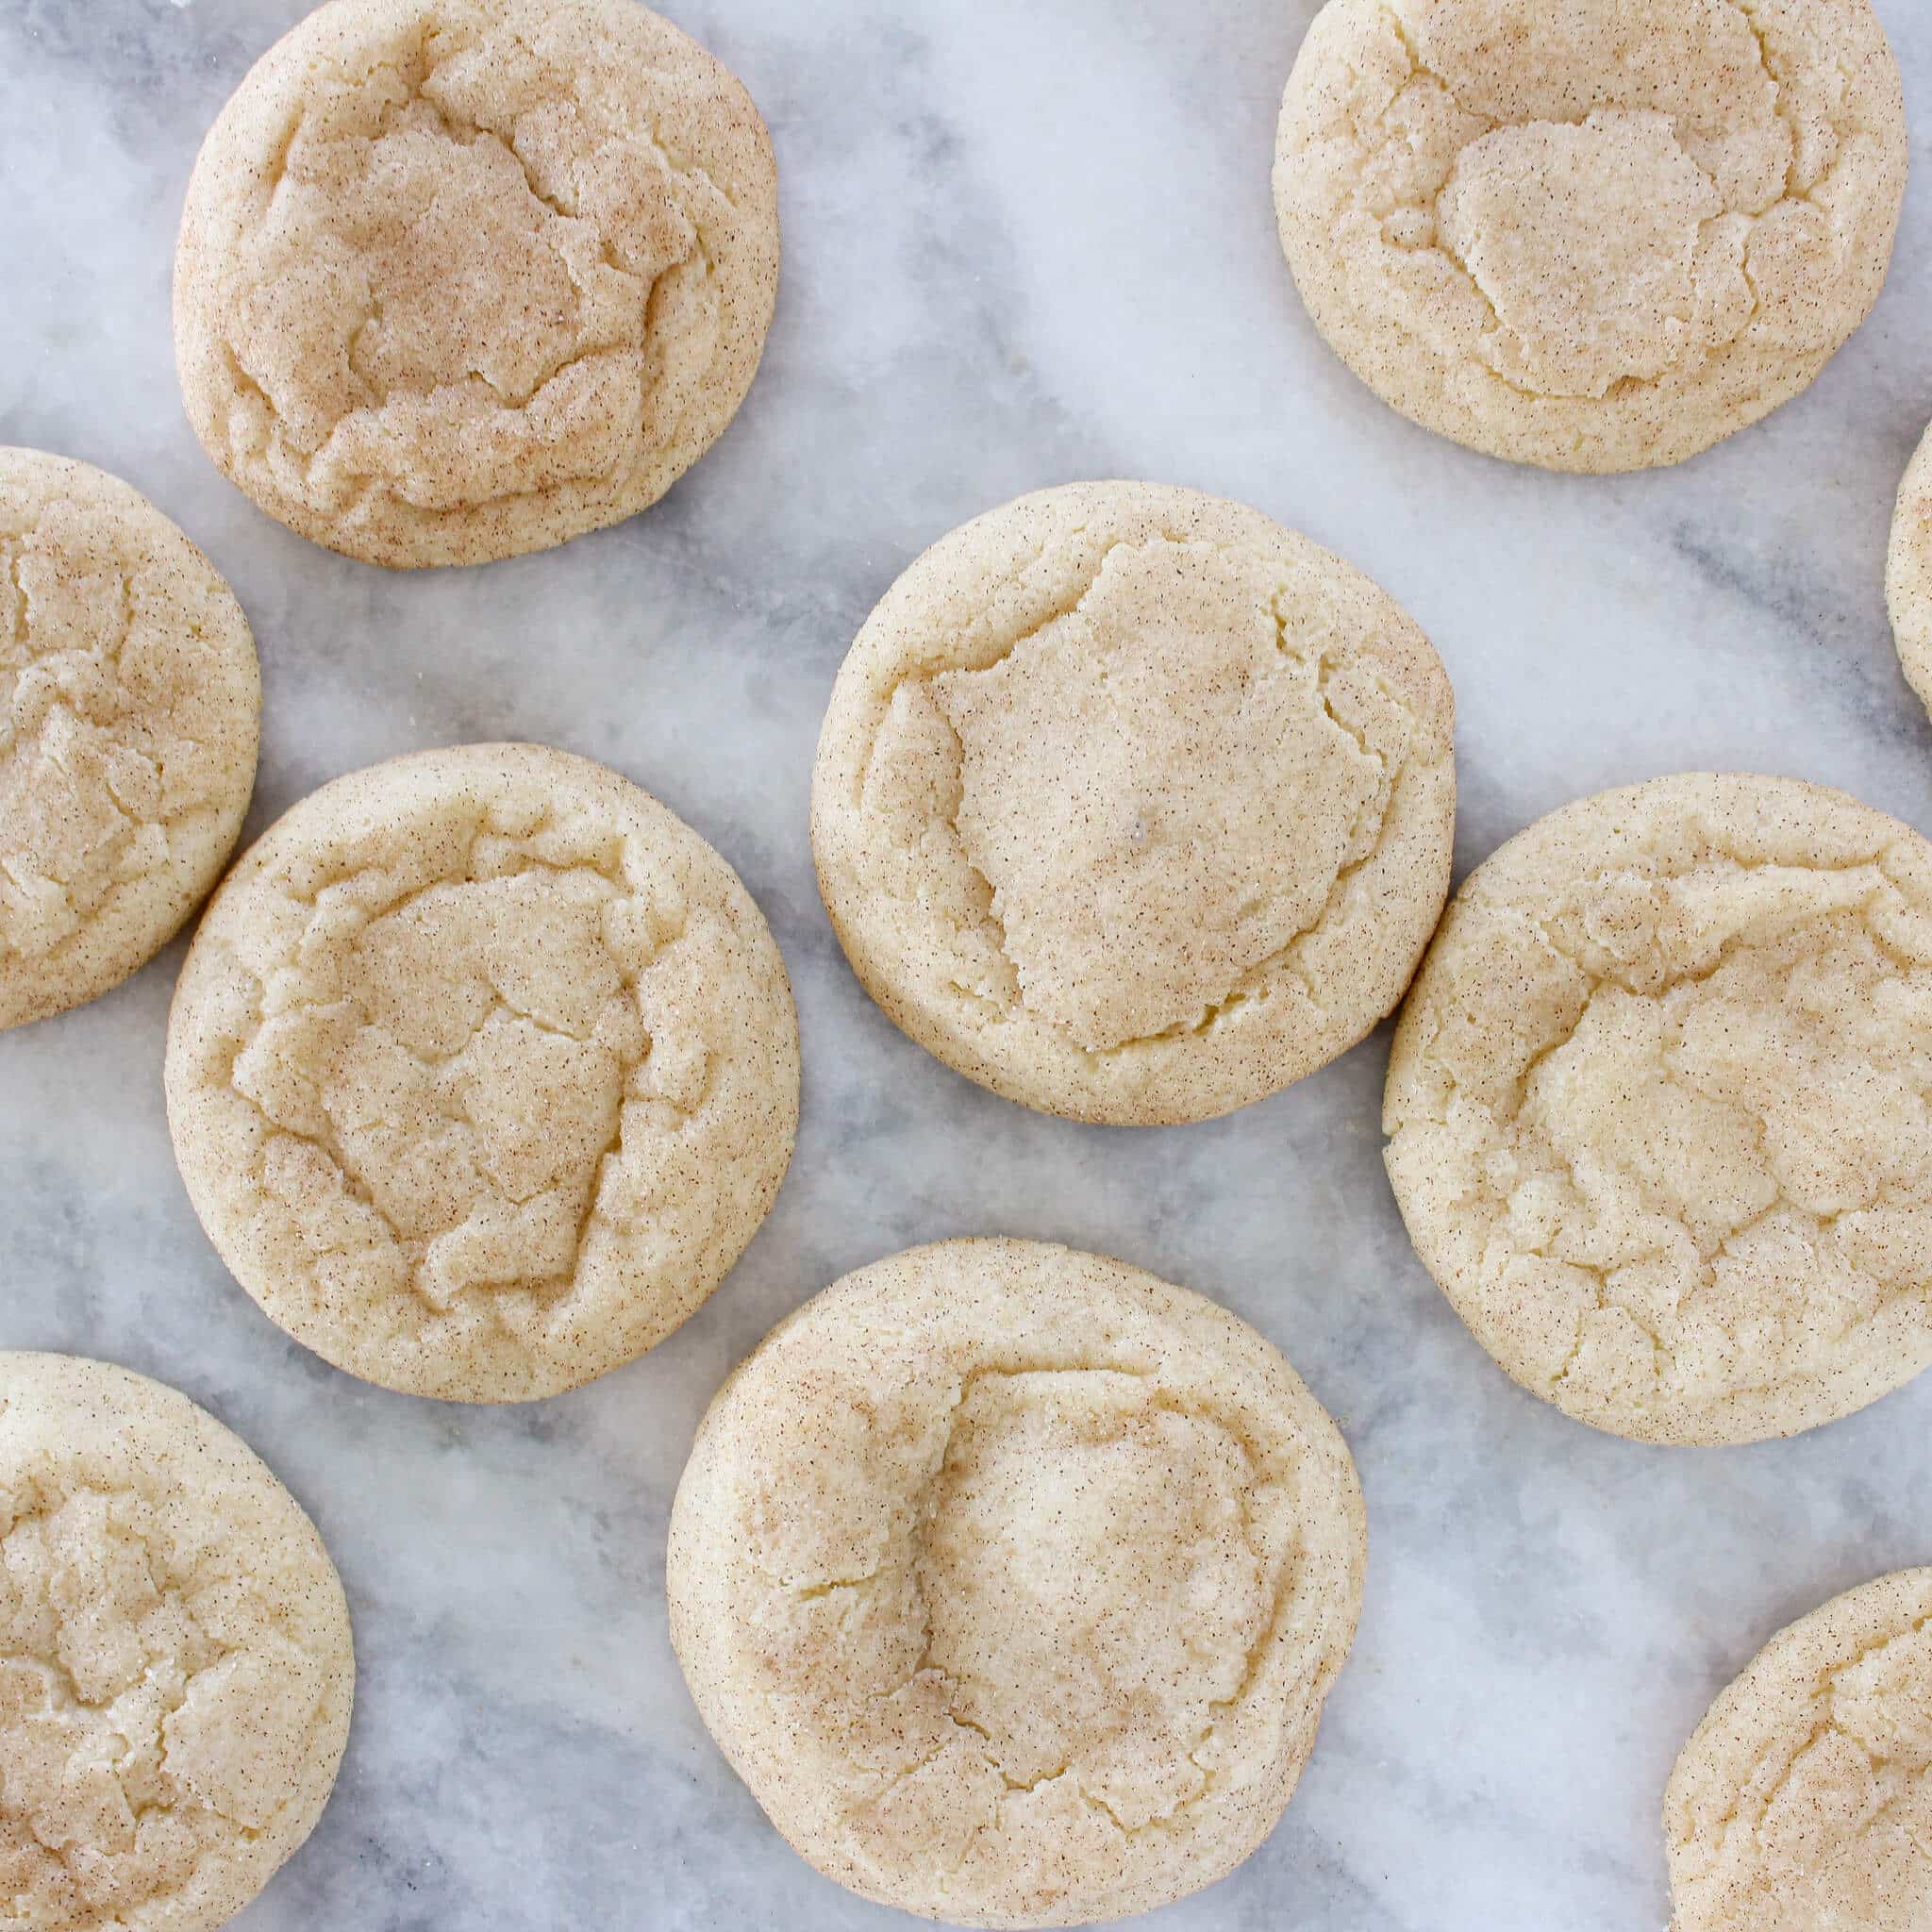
x=1803, y=1800
x=1012, y=1581
x=1599, y=235
x=1134, y=806
x=1658, y=1107
x=463, y=279
x=1908, y=573
x=482, y=1071
x=131, y=706
x=175, y=1665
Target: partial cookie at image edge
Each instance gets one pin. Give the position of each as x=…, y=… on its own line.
x=225, y=1697
x=1809, y=1778
x=1908, y=573
x=1427, y=277
x=130, y=715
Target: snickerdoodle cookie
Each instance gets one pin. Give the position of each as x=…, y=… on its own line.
x=1132, y=805
x=130, y=705
x=482, y=1072
x=1908, y=573
x=463, y=279
x=1658, y=1107
x=175, y=1664
x=1012, y=1580
x=1803, y=1800
x=1594, y=236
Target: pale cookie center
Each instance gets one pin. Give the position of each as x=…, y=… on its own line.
x=469, y=1079
x=1091, y=1592
x=133, y=1738
x=84, y=692
x=1156, y=792
x=461, y=309
x=1589, y=243
x=1719, y=1101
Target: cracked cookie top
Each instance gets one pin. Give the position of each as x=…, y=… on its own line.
x=176, y=1667
x=1599, y=236
x=1661, y=1108
x=1133, y=806
x=1012, y=1581
x=1908, y=573
x=1804, y=1797
x=482, y=1072
x=463, y=279
x=130, y=705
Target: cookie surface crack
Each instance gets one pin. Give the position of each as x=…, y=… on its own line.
x=1243, y=987
x=458, y=1105
x=1534, y=230
x=1676, y=1174
x=958, y=1683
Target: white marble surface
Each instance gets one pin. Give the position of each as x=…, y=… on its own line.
x=1026, y=241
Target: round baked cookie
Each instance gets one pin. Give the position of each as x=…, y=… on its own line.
x=1803, y=1800
x=463, y=279
x=1132, y=805
x=482, y=1071
x=1012, y=1580
x=175, y=1665
x=1908, y=573
x=1657, y=1108
x=1597, y=236
x=130, y=708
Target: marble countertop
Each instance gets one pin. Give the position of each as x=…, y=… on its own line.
x=1025, y=241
